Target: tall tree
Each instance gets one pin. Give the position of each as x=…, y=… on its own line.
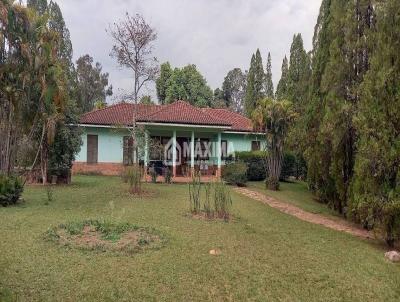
x=274, y=118
x=376, y=185
x=344, y=62
x=161, y=82
x=189, y=85
x=269, y=85
x=282, y=88
x=299, y=74
x=234, y=89
x=255, y=83
x=91, y=83
x=133, y=46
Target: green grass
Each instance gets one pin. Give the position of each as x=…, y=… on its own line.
x=297, y=194
x=266, y=255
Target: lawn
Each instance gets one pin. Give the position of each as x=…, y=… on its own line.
x=297, y=194
x=266, y=255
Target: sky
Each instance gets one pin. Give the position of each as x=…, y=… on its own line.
x=215, y=35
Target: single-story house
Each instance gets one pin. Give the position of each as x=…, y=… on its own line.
x=189, y=138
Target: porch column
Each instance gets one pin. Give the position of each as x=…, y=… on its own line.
x=192, y=154
x=219, y=155
x=174, y=154
x=146, y=153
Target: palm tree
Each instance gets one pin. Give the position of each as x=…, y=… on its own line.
x=274, y=119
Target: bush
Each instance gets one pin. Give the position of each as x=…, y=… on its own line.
x=194, y=194
x=289, y=166
x=255, y=161
x=235, y=173
x=133, y=175
x=257, y=170
x=168, y=175
x=11, y=188
x=222, y=200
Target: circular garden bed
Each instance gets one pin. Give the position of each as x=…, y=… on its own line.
x=105, y=236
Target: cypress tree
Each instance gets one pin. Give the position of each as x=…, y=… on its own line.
x=281, y=89
x=376, y=186
x=255, y=83
x=269, y=85
x=341, y=61
x=299, y=74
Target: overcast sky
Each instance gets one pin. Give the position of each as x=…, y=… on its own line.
x=215, y=35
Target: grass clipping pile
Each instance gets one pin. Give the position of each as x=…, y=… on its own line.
x=106, y=236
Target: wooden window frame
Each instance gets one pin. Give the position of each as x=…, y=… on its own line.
x=92, y=155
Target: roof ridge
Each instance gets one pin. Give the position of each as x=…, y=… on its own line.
x=105, y=108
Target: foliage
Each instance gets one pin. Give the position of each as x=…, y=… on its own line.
x=67, y=141
x=275, y=119
x=11, y=188
x=168, y=176
x=194, y=193
x=255, y=83
x=218, y=100
x=235, y=173
x=255, y=161
x=375, y=186
x=153, y=174
x=91, y=83
x=183, y=84
x=49, y=194
x=234, y=89
x=146, y=100
x=134, y=177
x=269, y=85
x=282, y=88
x=288, y=166
x=162, y=82
x=222, y=200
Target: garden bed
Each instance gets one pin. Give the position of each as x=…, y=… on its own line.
x=104, y=236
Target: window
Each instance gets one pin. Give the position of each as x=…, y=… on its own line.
x=224, y=149
x=92, y=149
x=255, y=146
x=128, y=150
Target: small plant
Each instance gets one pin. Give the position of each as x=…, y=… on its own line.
x=11, y=188
x=207, y=201
x=222, y=200
x=235, y=173
x=168, y=176
x=194, y=193
x=153, y=175
x=134, y=176
x=49, y=194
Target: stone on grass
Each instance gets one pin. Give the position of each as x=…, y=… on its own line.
x=215, y=252
x=393, y=256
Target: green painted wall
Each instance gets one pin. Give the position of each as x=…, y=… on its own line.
x=110, y=141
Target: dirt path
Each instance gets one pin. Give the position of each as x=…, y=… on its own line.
x=339, y=225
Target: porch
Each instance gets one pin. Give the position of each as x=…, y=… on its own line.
x=184, y=150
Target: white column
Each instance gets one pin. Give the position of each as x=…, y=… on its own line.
x=219, y=155
x=192, y=152
x=174, y=154
x=146, y=148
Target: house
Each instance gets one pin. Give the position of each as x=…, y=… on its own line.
x=188, y=138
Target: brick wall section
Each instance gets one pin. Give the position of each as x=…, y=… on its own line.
x=110, y=169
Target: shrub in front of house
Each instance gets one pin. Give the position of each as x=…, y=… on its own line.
x=255, y=161
x=235, y=173
x=11, y=188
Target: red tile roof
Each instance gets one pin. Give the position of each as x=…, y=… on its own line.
x=238, y=121
x=179, y=112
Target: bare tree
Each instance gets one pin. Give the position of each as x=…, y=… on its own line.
x=133, y=47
